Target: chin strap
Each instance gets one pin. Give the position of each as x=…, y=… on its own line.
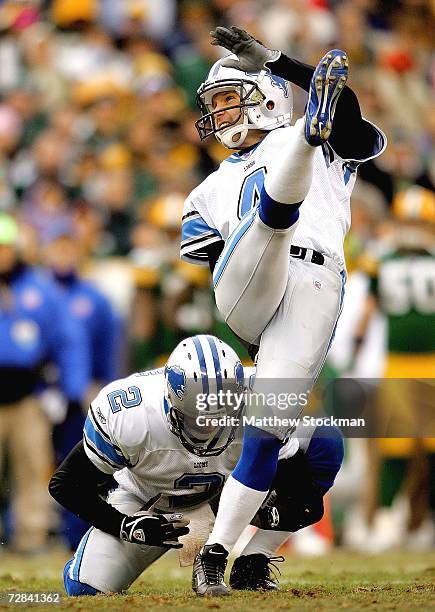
x=227, y=137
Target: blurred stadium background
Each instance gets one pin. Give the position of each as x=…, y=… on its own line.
x=97, y=152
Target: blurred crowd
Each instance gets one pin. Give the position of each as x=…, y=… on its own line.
x=98, y=151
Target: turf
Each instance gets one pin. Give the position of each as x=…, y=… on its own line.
x=393, y=581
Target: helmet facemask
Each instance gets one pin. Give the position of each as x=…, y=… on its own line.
x=204, y=441
x=266, y=103
x=250, y=97
x=204, y=380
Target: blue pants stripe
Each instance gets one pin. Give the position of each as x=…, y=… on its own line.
x=231, y=244
x=74, y=587
x=79, y=554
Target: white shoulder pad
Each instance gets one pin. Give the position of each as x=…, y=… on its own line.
x=116, y=427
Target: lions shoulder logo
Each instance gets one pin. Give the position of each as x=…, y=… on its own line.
x=176, y=380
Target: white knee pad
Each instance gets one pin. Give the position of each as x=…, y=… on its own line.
x=251, y=276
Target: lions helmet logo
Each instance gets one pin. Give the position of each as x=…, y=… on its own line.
x=280, y=83
x=176, y=380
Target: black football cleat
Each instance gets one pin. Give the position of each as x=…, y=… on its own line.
x=254, y=573
x=209, y=571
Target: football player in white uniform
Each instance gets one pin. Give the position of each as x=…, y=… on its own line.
x=270, y=222
x=142, y=439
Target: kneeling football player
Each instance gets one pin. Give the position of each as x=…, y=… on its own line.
x=144, y=440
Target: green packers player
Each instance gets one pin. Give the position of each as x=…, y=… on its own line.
x=403, y=288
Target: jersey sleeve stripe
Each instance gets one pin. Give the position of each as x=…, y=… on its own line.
x=328, y=153
x=98, y=427
x=197, y=227
x=200, y=254
x=95, y=423
x=101, y=458
x=199, y=239
x=349, y=168
x=198, y=261
x=193, y=250
x=189, y=215
x=106, y=449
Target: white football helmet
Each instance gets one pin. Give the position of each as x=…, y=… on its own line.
x=199, y=373
x=266, y=103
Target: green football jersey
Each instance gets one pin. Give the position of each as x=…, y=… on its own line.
x=404, y=284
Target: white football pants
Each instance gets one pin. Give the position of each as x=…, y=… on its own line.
x=107, y=563
x=251, y=275
x=288, y=305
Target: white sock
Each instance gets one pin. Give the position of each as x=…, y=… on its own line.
x=265, y=542
x=237, y=507
x=289, y=179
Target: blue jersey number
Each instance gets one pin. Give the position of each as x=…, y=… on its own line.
x=250, y=191
x=207, y=485
x=119, y=399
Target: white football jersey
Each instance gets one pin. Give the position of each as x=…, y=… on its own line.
x=126, y=434
x=214, y=208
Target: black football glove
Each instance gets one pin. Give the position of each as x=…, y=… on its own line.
x=253, y=55
x=162, y=530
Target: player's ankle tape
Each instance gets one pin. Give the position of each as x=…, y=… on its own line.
x=275, y=214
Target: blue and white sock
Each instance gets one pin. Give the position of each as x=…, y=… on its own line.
x=247, y=487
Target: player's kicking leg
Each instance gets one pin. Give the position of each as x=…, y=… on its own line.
x=248, y=485
x=255, y=256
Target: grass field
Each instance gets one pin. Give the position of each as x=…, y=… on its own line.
x=394, y=581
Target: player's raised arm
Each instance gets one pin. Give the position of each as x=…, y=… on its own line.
x=352, y=137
